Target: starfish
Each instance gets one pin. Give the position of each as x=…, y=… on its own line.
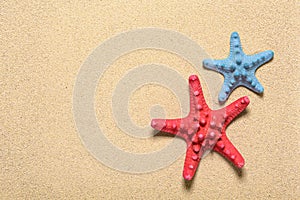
x=238, y=68
x=203, y=129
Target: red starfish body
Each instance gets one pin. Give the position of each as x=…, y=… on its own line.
x=204, y=129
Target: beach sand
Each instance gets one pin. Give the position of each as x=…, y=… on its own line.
x=44, y=45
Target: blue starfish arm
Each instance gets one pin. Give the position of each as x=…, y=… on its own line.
x=250, y=82
x=253, y=84
x=225, y=91
x=235, y=44
x=217, y=65
x=257, y=60
x=212, y=64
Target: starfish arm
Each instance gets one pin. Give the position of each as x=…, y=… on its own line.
x=225, y=91
x=257, y=60
x=190, y=164
x=234, y=109
x=235, y=44
x=197, y=101
x=216, y=65
x=171, y=126
x=253, y=84
x=226, y=149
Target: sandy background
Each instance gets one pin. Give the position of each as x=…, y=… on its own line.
x=43, y=46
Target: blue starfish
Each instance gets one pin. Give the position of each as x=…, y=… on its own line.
x=238, y=68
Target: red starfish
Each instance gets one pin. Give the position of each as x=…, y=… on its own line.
x=204, y=129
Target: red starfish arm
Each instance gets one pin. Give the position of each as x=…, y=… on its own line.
x=171, y=126
x=191, y=163
x=197, y=101
x=226, y=148
x=235, y=108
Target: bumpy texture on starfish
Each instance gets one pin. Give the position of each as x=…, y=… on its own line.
x=238, y=69
x=204, y=129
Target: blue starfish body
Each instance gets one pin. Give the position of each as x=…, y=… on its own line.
x=238, y=68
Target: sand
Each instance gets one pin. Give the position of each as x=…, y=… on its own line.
x=44, y=45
